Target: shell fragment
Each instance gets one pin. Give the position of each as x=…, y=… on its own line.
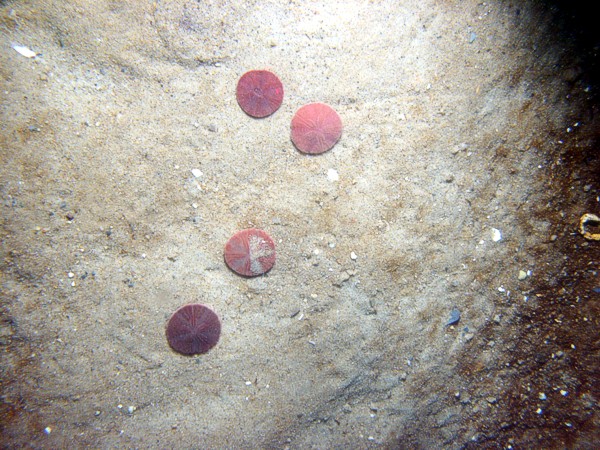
x=22, y=50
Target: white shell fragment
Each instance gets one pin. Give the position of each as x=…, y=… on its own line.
x=197, y=173
x=496, y=235
x=26, y=52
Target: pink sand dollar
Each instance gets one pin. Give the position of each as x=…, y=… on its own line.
x=250, y=252
x=259, y=93
x=316, y=128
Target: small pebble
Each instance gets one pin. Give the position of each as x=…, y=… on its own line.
x=542, y=396
x=332, y=175
x=461, y=147
x=454, y=317
x=353, y=256
x=469, y=336
x=522, y=275
x=344, y=276
x=47, y=430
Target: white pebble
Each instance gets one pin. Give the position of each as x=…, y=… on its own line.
x=332, y=175
x=496, y=235
x=197, y=173
x=353, y=256
x=47, y=430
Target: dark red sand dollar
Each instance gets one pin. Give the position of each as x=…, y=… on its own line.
x=193, y=329
x=259, y=93
x=250, y=252
x=316, y=128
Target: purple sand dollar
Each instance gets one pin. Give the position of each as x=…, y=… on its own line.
x=193, y=329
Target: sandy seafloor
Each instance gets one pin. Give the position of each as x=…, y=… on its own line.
x=460, y=118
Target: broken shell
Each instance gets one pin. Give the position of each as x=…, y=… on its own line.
x=589, y=219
